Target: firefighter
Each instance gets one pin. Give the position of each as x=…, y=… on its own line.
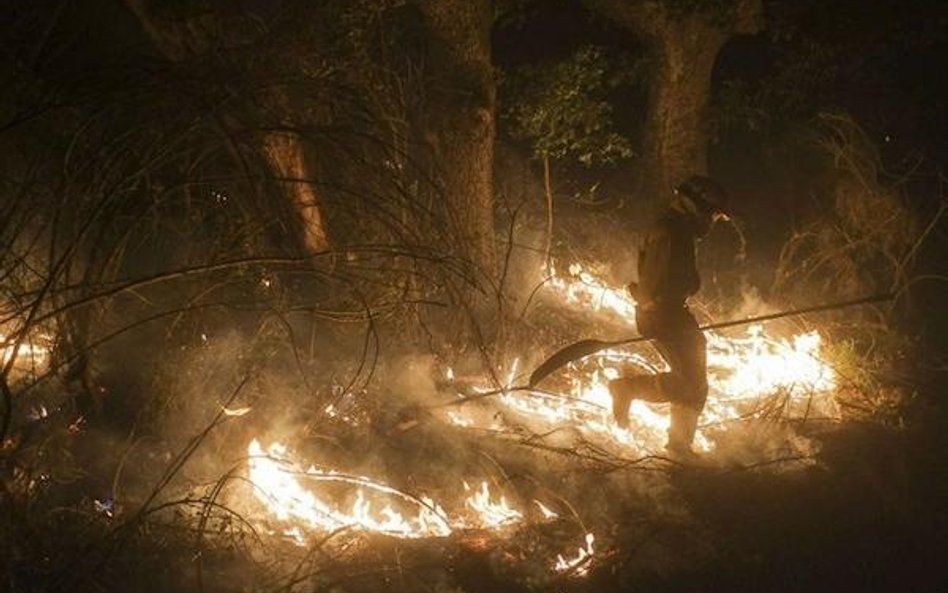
x=667, y=276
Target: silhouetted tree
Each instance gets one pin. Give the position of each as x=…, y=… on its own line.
x=187, y=33
x=683, y=38
x=460, y=120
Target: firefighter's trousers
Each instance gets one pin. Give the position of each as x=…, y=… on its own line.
x=676, y=336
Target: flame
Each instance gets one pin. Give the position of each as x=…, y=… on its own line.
x=747, y=373
x=582, y=288
x=490, y=513
x=579, y=564
x=743, y=372
x=277, y=484
x=758, y=364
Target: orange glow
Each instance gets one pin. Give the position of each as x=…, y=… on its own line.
x=577, y=565
x=278, y=485
x=745, y=370
x=31, y=357
x=742, y=371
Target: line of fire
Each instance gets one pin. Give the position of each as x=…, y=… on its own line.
x=548, y=296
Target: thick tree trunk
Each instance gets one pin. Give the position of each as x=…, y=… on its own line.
x=683, y=48
x=677, y=130
x=461, y=119
x=179, y=38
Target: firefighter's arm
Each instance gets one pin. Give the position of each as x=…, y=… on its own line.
x=653, y=269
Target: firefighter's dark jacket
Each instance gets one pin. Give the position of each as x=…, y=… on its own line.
x=668, y=274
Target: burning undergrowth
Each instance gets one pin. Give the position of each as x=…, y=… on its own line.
x=427, y=453
x=312, y=463
x=757, y=374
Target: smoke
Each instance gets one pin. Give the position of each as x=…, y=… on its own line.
x=413, y=377
x=397, y=428
x=754, y=443
x=751, y=303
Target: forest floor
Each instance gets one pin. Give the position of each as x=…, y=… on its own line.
x=871, y=514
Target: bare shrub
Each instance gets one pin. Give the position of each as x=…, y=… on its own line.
x=861, y=241
x=865, y=230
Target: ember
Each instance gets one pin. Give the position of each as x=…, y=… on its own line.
x=578, y=565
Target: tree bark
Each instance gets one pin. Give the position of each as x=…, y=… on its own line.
x=675, y=143
x=682, y=48
x=182, y=37
x=285, y=153
x=460, y=124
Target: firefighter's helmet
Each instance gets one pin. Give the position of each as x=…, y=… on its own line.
x=706, y=193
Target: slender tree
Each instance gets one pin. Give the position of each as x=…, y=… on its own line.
x=562, y=111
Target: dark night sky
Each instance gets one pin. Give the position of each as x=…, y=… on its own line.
x=887, y=69
x=882, y=61
x=888, y=57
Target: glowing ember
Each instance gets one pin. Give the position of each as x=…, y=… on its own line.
x=546, y=512
x=459, y=419
x=38, y=413
x=243, y=411
x=577, y=565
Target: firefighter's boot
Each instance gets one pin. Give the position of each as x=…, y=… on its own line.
x=623, y=391
x=681, y=432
